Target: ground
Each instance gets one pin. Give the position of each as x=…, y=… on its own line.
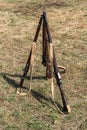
x=68, y=27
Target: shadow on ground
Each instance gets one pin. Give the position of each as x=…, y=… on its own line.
x=37, y=95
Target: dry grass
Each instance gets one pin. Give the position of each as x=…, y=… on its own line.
x=68, y=26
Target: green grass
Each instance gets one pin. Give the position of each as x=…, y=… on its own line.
x=68, y=23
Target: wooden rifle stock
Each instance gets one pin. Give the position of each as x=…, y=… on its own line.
x=46, y=57
x=44, y=46
x=47, y=28
x=26, y=68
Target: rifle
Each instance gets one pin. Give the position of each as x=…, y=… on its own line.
x=55, y=67
x=26, y=69
x=46, y=55
x=59, y=83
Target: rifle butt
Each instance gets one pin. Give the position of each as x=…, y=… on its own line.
x=66, y=107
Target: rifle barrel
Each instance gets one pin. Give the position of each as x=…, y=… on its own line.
x=38, y=29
